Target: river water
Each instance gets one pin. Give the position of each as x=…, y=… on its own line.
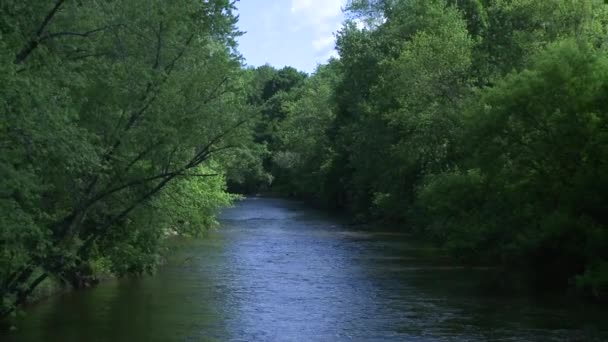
x=278, y=271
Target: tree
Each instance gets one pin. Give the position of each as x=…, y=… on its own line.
x=104, y=106
x=530, y=190
x=303, y=154
x=402, y=82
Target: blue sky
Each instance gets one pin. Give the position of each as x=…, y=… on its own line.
x=299, y=33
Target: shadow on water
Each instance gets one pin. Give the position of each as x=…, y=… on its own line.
x=278, y=271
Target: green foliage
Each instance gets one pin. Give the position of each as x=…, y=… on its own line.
x=537, y=144
x=396, y=104
x=269, y=90
x=594, y=281
x=118, y=121
x=478, y=124
x=519, y=29
x=303, y=143
x=189, y=207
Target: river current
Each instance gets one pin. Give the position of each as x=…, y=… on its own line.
x=277, y=270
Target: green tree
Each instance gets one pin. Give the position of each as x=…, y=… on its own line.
x=104, y=105
x=529, y=190
x=303, y=155
x=402, y=85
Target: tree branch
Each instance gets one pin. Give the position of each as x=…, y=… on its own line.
x=159, y=43
x=77, y=34
x=205, y=151
x=179, y=55
x=151, y=89
x=33, y=43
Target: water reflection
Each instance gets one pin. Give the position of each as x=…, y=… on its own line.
x=279, y=272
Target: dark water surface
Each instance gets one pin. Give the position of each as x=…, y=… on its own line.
x=277, y=271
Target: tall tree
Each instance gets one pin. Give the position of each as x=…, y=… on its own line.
x=106, y=104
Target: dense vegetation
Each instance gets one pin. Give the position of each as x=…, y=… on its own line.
x=479, y=124
x=119, y=122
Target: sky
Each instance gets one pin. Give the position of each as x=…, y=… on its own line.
x=298, y=33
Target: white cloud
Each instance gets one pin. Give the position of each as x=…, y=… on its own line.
x=322, y=17
x=318, y=10
x=323, y=43
x=332, y=53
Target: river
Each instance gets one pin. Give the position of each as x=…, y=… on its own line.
x=279, y=271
